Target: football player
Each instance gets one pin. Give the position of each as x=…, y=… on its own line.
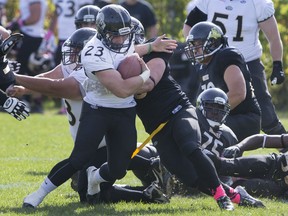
x=224, y=67
x=12, y=105
x=179, y=136
x=262, y=175
x=241, y=22
x=36, y=198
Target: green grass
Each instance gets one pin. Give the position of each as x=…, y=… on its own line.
x=30, y=148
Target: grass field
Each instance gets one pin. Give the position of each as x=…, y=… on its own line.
x=29, y=149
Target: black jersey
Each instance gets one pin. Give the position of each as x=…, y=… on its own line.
x=215, y=141
x=150, y=109
x=212, y=75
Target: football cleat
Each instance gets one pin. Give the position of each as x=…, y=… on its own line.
x=154, y=193
x=247, y=200
x=284, y=167
x=163, y=176
x=225, y=203
x=93, y=191
x=32, y=200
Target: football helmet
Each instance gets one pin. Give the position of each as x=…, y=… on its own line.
x=86, y=16
x=112, y=23
x=41, y=62
x=138, y=30
x=203, y=40
x=213, y=104
x=72, y=47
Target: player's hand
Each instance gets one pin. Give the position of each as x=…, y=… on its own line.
x=14, y=66
x=232, y=152
x=8, y=43
x=16, y=108
x=163, y=44
x=278, y=75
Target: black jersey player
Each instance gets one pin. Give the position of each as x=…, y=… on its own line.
x=224, y=67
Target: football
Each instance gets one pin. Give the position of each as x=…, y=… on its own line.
x=130, y=66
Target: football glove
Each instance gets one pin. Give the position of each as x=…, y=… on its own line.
x=16, y=108
x=278, y=75
x=232, y=152
x=8, y=43
x=14, y=66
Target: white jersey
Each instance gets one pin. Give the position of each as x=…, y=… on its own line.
x=74, y=107
x=96, y=57
x=66, y=11
x=36, y=29
x=240, y=18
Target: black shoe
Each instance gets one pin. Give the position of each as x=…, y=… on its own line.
x=154, y=193
x=93, y=199
x=225, y=203
x=163, y=176
x=247, y=200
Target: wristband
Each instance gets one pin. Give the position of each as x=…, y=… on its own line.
x=264, y=141
x=277, y=63
x=145, y=75
x=149, y=48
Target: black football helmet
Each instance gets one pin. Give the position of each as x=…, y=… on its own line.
x=213, y=104
x=138, y=30
x=113, y=21
x=86, y=16
x=74, y=44
x=204, y=39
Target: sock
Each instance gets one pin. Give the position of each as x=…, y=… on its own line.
x=219, y=192
x=46, y=187
x=234, y=196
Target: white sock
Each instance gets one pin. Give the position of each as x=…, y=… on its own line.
x=46, y=187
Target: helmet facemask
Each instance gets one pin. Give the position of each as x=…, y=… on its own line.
x=199, y=47
x=71, y=55
x=215, y=113
x=109, y=39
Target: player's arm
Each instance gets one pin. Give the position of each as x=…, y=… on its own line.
x=158, y=45
x=118, y=86
x=195, y=16
x=257, y=141
x=236, y=85
x=61, y=88
x=157, y=67
x=270, y=29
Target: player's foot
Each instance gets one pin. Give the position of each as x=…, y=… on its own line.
x=248, y=200
x=93, y=191
x=32, y=200
x=154, y=193
x=163, y=176
x=225, y=203
x=74, y=181
x=284, y=166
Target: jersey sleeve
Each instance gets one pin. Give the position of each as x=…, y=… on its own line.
x=230, y=56
x=264, y=9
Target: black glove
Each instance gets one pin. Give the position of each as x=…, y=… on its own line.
x=7, y=77
x=16, y=108
x=278, y=75
x=14, y=66
x=232, y=152
x=8, y=43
